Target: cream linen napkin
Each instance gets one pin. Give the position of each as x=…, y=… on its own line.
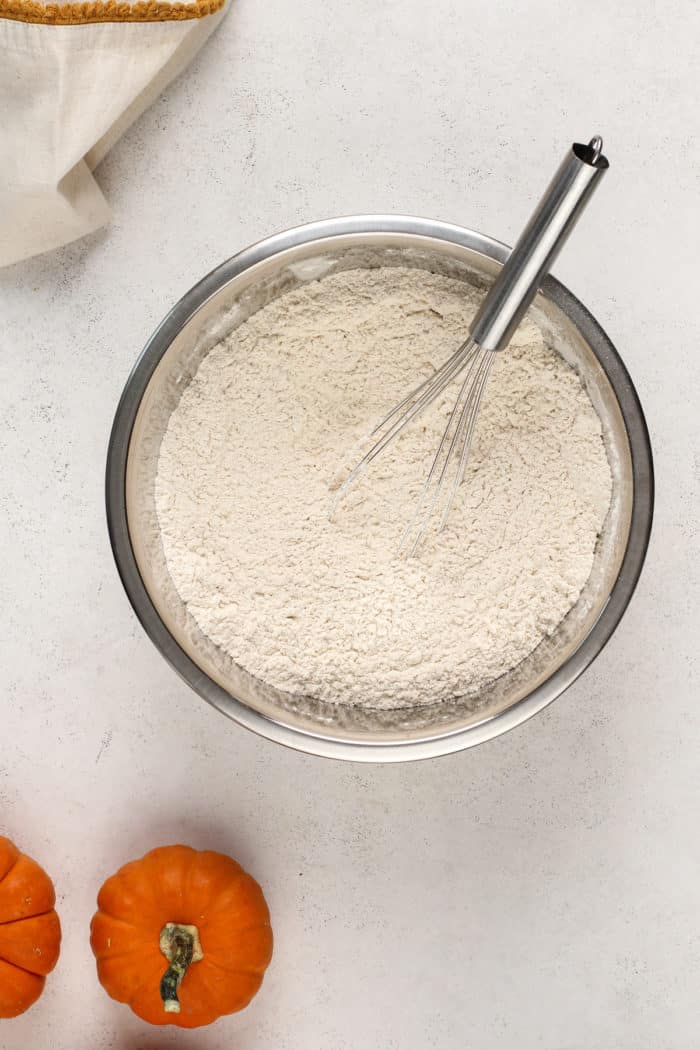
x=73, y=76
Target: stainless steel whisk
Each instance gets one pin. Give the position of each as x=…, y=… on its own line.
x=490, y=332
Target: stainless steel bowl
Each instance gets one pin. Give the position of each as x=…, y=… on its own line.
x=221, y=302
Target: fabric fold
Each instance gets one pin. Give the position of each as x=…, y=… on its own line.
x=67, y=93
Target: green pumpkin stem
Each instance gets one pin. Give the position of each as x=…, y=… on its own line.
x=180, y=946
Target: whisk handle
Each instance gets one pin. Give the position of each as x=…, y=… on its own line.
x=539, y=244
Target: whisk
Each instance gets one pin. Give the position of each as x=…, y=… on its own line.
x=490, y=332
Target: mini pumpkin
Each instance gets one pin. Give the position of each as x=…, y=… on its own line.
x=182, y=936
x=30, y=931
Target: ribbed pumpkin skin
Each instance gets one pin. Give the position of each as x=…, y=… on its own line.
x=30, y=931
x=177, y=884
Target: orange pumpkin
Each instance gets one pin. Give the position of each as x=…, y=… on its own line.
x=181, y=936
x=30, y=932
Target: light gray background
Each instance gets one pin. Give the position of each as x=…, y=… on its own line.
x=541, y=891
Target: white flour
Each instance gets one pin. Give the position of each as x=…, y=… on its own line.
x=274, y=419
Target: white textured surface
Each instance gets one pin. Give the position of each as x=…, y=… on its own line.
x=540, y=891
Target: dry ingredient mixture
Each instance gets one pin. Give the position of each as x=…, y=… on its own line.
x=274, y=419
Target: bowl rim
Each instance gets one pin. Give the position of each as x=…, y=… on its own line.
x=346, y=747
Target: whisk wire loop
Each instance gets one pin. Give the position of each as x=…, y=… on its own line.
x=452, y=453
x=411, y=408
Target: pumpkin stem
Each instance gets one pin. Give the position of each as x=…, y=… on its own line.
x=180, y=946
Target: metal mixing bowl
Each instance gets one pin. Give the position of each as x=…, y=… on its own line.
x=220, y=303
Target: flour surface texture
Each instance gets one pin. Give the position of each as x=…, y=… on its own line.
x=271, y=424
